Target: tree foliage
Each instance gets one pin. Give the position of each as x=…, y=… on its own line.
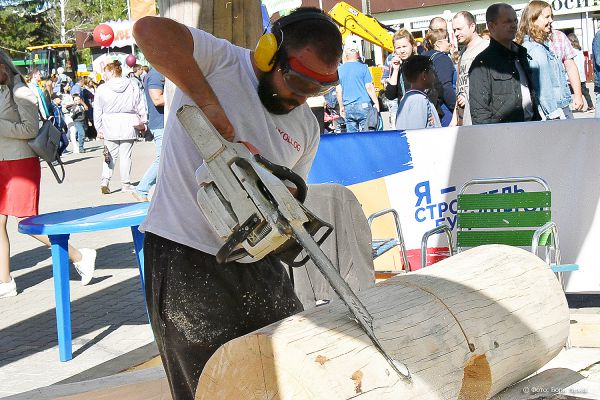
x=34, y=22
x=85, y=15
x=22, y=25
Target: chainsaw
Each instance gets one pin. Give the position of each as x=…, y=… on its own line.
x=249, y=206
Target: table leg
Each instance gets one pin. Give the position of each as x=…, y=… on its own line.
x=60, y=271
x=138, y=243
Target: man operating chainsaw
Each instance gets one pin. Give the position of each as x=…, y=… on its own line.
x=196, y=304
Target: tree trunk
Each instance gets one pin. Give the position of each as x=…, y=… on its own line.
x=466, y=328
x=239, y=21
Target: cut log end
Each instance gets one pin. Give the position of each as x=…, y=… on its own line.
x=477, y=379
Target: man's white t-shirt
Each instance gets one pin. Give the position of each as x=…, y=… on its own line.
x=526, y=101
x=464, y=65
x=290, y=140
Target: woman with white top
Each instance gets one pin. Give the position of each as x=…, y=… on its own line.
x=119, y=111
x=395, y=86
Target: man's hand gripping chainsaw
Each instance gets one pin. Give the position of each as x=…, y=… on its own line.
x=255, y=212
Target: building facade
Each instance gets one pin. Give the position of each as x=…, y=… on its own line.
x=571, y=16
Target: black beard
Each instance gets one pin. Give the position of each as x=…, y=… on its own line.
x=269, y=97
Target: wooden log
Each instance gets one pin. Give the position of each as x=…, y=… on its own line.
x=466, y=327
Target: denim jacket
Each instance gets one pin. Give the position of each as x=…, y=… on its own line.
x=549, y=79
x=596, y=52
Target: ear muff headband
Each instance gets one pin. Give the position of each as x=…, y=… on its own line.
x=268, y=45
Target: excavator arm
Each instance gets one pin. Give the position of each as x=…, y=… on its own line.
x=352, y=21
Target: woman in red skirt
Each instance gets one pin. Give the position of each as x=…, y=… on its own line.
x=20, y=171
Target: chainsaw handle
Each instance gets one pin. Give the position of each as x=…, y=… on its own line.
x=285, y=174
x=229, y=251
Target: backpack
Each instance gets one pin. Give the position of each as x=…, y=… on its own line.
x=436, y=93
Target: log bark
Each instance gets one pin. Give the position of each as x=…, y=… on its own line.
x=466, y=327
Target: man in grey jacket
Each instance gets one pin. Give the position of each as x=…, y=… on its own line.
x=500, y=88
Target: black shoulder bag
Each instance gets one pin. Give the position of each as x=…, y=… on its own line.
x=46, y=145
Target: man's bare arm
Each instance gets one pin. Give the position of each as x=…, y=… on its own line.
x=340, y=99
x=372, y=94
x=169, y=47
x=157, y=96
x=573, y=75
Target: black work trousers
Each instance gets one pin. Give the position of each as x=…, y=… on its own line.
x=196, y=305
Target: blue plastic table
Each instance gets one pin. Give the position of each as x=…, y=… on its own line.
x=58, y=226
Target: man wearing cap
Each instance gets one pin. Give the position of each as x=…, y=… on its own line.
x=61, y=80
x=196, y=305
x=356, y=92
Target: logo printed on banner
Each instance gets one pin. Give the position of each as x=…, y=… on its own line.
x=286, y=136
x=122, y=31
x=443, y=212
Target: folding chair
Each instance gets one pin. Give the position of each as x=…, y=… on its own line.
x=381, y=246
x=521, y=219
x=373, y=156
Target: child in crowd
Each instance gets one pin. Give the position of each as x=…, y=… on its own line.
x=78, y=110
x=59, y=122
x=415, y=111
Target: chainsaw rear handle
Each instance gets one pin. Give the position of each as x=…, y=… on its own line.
x=229, y=252
x=285, y=174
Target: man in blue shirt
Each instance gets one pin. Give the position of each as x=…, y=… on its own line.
x=77, y=88
x=356, y=92
x=154, y=90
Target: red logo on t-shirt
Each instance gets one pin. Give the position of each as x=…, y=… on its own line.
x=286, y=136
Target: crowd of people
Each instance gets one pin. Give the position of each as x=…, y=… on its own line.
x=515, y=70
x=115, y=109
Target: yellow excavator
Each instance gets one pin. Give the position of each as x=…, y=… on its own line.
x=352, y=21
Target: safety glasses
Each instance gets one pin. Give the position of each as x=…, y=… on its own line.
x=304, y=81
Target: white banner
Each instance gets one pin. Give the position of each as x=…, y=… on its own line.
x=123, y=35
x=564, y=153
x=103, y=60
x=274, y=6
x=435, y=163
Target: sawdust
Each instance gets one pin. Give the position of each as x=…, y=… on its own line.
x=321, y=359
x=357, y=377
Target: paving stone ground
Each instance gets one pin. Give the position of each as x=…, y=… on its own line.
x=108, y=316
